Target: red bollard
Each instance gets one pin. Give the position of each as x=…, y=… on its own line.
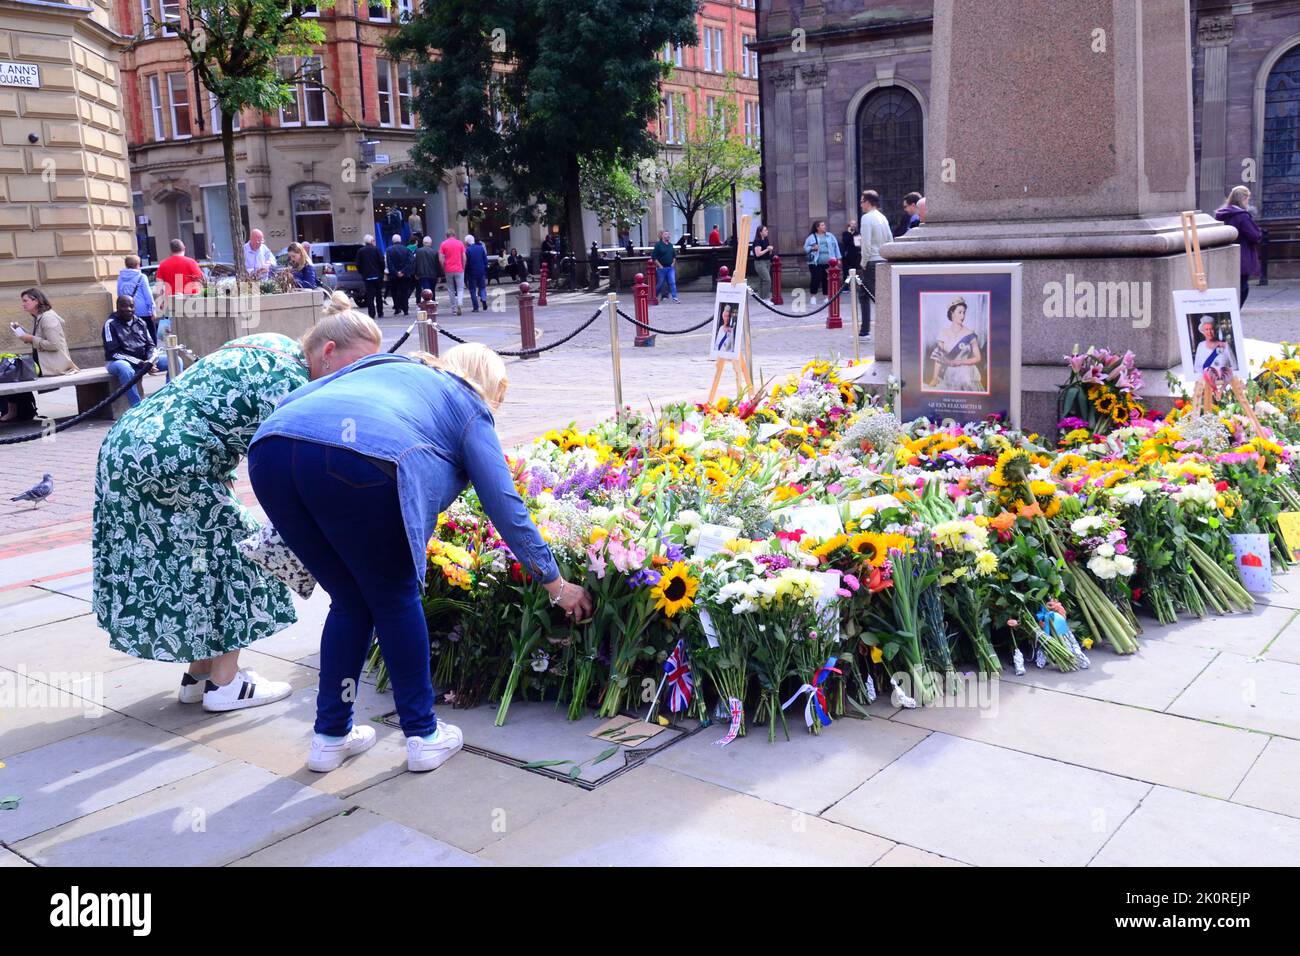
x=776, y=280
x=429, y=333
x=641, y=294
x=724, y=276
x=651, y=268
x=833, y=320
x=527, y=330
x=541, y=293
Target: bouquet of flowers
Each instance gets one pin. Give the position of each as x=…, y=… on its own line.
x=1101, y=393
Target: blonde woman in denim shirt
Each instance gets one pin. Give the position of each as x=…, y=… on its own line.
x=821, y=247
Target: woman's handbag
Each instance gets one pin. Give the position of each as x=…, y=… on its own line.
x=268, y=551
x=16, y=368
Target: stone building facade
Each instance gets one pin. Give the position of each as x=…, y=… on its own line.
x=65, y=199
x=846, y=96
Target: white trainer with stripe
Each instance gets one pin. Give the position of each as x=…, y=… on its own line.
x=246, y=690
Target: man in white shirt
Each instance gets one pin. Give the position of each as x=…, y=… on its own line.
x=875, y=233
x=259, y=260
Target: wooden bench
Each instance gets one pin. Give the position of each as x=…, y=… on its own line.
x=92, y=385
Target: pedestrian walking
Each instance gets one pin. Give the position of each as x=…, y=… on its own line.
x=359, y=516
x=401, y=269
x=426, y=266
x=370, y=263
x=169, y=583
x=851, y=246
x=665, y=254
x=415, y=224
x=821, y=248
x=1236, y=213
x=451, y=256
x=875, y=234
x=762, y=256
x=476, y=270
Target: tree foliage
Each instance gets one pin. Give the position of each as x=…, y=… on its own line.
x=615, y=192
x=523, y=91
x=713, y=159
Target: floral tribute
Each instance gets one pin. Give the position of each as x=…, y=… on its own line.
x=809, y=552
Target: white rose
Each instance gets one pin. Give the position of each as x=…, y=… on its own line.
x=1124, y=565
x=691, y=519
x=693, y=537
x=1106, y=551
x=1104, y=568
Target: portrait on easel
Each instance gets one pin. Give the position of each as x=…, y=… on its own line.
x=1209, y=331
x=728, y=328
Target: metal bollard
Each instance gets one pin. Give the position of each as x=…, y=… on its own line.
x=173, y=349
x=854, y=312
x=541, y=292
x=427, y=327
x=724, y=276
x=833, y=285
x=527, y=330
x=651, y=268
x=641, y=295
x=776, y=280
x=612, y=305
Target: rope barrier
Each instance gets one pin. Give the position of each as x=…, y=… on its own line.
x=798, y=315
x=80, y=417
x=651, y=328
x=537, y=351
x=405, y=335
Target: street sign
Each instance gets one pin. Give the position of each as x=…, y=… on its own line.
x=20, y=74
x=381, y=159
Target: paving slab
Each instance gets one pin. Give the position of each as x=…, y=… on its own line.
x=1246, y=634
x=277, y=736
x=1259, y=694
x=470, y=801
x=1152, y=678
x=910, y=856
x=540, y=731
x=656, y=817
x=1285, y=593
x=1115, y=738
x=1173, y=828
x=8, y=859
x=80, y=586
x=27, y=607
x=76, y=643
x=990, y=806
x=360, y=838
x=808, y=772
x=1286, y=646
x=79, y=775
x=1274, y=782
x=34, y=713
x=301, y=638
x=208, y=819
x=39, y=564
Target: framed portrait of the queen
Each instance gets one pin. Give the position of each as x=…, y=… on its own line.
x=957, y=341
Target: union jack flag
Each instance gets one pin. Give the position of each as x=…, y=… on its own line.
x=680, y=682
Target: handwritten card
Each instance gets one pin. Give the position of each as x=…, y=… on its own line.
x=713, y=537
x=820, y=521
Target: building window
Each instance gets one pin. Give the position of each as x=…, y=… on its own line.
x=290, y=114
x=216, y=116
x=713, y=46
x=404, y=10
x=713, y=112
x=752, y=135
x=890, y=141
x=379, y=13
x=673, y=54
x=155, y=101
x=146, y=19
x=313, y=91
x=1281, y=167
x=394, y=80
x=313, y=212
x=748, y=58
x=404, y=115
x=675, y=118
x=383, y=79
x=178, y=93
x=171, y=15
x=311, y=10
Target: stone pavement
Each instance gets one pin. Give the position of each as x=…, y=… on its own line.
x=1186, y=753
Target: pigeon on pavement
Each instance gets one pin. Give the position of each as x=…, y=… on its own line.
x=38, y=492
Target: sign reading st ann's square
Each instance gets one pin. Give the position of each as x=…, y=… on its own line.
x=20, y=74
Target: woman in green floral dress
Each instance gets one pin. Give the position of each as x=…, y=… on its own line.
x=169, y=583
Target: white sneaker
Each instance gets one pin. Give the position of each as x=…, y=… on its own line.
x=424, y=754
x=244, y=691
x=328, y=753
x=192, y=687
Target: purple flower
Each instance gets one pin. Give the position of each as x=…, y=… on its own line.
x=646, y=577
x=673, y=552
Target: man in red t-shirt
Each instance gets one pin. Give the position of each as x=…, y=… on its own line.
x=179, y=273
x=715, y=237
x=452, y=256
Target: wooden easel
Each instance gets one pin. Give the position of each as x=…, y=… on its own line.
x=740, y=366
x=1203, y=394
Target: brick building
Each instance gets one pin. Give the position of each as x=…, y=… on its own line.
x=65, y=203
x=846, y=89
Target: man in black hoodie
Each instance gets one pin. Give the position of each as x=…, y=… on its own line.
x=128, y=345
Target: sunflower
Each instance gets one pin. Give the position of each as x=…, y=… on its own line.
x=675, y=590
x=1042, y=489
x=829, y=545
x=874, y=548
x=1012, y=468
x=1067, y=463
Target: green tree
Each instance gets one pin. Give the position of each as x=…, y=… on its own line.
x=523, y=91
x=615, y=192
x=713, y=159
x=234, y=48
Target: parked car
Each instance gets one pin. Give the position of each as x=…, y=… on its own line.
x=335, y=264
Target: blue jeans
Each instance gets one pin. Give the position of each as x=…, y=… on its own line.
x=667, y=280
x=124, y=372
x=477, y=290
x=338, y=511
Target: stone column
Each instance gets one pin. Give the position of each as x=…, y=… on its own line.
x=779, y=142
x=1214, y=34
x=814, y=83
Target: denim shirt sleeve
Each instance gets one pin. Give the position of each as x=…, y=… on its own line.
x=485, y=463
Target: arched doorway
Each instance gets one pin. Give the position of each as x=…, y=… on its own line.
x=394, y=200
x=1281, y=156
x=891, y=147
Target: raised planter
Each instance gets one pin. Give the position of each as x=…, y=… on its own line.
x=205, y=323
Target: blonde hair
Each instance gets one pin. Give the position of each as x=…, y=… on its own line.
x=297, y=247
x=480, y=367
x=1238, y=195
x=342, y=324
